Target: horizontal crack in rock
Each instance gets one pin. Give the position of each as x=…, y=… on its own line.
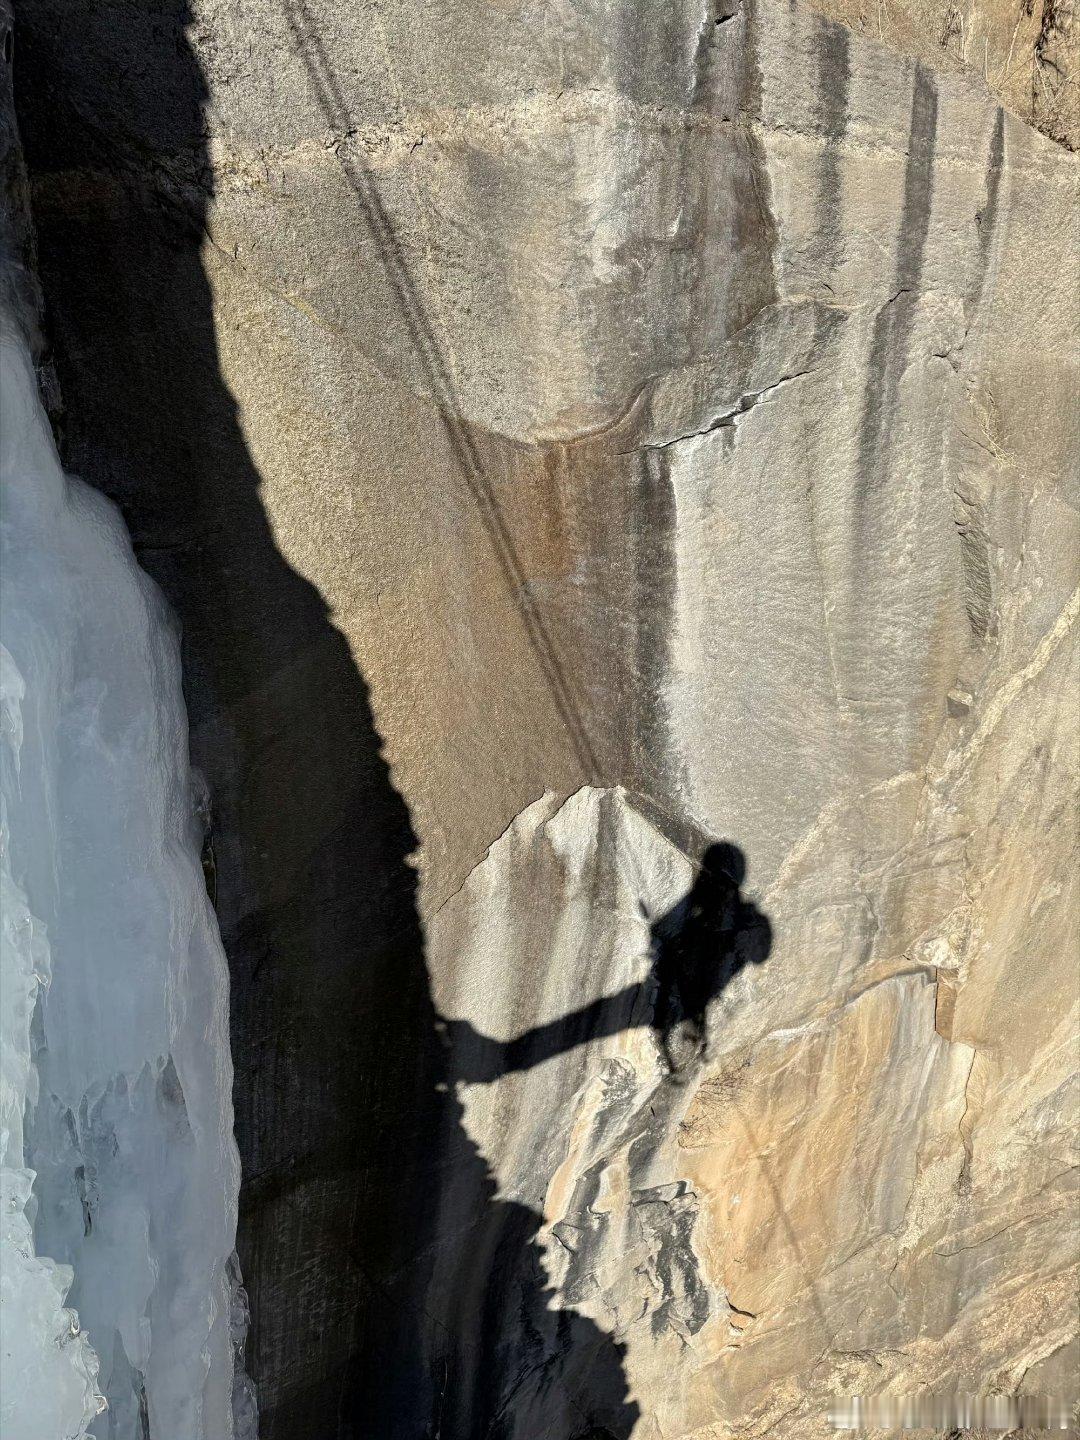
x=728, y=418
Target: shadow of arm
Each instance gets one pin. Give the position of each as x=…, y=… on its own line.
x=478, y=1059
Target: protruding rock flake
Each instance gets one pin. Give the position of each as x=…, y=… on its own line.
x=118, y=1168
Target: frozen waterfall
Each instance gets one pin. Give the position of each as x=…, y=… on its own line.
x=118, y=1166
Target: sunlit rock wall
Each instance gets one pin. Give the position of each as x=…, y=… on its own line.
x=571, y=435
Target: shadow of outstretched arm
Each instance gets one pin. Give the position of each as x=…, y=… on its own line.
x=478, y=1059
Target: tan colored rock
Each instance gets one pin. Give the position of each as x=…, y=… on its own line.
x=1023, y=51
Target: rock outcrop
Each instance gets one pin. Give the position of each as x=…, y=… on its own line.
x=574, y=437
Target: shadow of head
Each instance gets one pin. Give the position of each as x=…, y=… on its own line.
x=724, y=860
x=699, y=946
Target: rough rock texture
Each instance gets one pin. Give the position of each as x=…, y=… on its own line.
x=572, y=434
x=1023, y=51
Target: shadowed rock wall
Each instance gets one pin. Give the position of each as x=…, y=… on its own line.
x=572, y=435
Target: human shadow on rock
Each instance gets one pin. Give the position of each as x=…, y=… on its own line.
x=697, y=948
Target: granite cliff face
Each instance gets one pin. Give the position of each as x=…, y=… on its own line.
x=574, y=435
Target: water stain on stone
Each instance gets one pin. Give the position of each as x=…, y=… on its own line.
x=834, y=79
x=893, y=322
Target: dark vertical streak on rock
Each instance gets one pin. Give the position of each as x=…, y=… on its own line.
x=651, y=534
x=754, y=236
x=874, y=580
x=834, y=78
x=699, y=66
x=968, y=498
x=892, y=325
x=986, y=219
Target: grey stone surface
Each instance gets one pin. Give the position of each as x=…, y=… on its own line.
x=569, y=435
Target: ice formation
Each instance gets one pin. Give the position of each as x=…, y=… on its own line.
x=115, y=1090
